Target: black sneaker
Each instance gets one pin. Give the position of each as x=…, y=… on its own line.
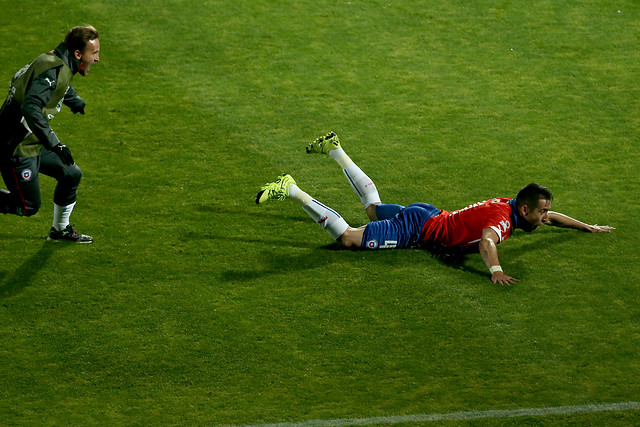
x=68, y=234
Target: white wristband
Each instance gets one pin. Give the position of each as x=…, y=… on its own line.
x=495, y=268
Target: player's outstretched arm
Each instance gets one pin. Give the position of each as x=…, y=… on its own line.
x=560, y=220
x=489, y=252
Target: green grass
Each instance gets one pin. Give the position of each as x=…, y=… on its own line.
x=195, y=306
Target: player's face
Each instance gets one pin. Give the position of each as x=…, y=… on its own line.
x=88, y=56
x=537, y=215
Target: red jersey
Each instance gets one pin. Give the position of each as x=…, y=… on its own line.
x=464, y=226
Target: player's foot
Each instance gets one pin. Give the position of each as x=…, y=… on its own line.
x=68, y=234
x=277, y=190
x=324, y=144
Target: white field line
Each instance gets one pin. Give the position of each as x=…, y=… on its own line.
x=466, y=415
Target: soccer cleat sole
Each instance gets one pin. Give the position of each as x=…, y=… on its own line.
x=318, y=145
x=49, y=239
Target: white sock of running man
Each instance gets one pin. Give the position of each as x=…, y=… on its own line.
x=61, y=215
x=360, y=182
x=324, y=216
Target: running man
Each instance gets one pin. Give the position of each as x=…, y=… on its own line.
x=28, y=145
x=478, y=227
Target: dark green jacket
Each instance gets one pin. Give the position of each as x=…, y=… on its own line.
x=37, y=93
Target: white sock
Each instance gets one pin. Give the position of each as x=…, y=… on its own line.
x=324, y=216
x=293, y=192
x=341, y=157
x=61, y=215
x=360, y=182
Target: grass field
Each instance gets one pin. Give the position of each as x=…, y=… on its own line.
x=195, y=306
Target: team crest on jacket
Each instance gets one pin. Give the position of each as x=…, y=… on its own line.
x=27, y=175
x=372, y=244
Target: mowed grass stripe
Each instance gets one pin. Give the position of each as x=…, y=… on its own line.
x=465, y=415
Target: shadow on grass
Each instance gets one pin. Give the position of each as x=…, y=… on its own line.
x=253, y=211
x=276, y=262
x=12, y=283
x=542, y=242
x=248, y=239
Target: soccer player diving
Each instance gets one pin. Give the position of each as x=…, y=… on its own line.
x=476, y=228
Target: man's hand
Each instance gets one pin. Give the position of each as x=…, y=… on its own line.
x=489, y=252
x=79, y=108
x=500, y=278
x=595, y=228
x=64, y=153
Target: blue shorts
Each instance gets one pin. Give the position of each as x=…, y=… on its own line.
x=401, y=231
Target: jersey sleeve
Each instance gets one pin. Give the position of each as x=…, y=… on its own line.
x=499, y=219
x=36, y=98
x=500, y=231
x=73, y=101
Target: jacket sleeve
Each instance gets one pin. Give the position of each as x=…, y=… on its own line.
x=37, y=96
x=73, y=101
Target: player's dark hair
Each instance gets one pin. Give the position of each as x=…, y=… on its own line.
x=532, y=193
x=78, y=37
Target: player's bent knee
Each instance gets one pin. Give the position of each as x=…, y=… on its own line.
x=344, y=241
x=371, y=211
x=73, y=176
x=352, y=237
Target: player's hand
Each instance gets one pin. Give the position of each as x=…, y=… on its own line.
x=595, y=228
x=502, y=279
x=80, y=108
x=64, y=153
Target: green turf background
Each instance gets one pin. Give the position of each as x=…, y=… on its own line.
x=195, y=306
